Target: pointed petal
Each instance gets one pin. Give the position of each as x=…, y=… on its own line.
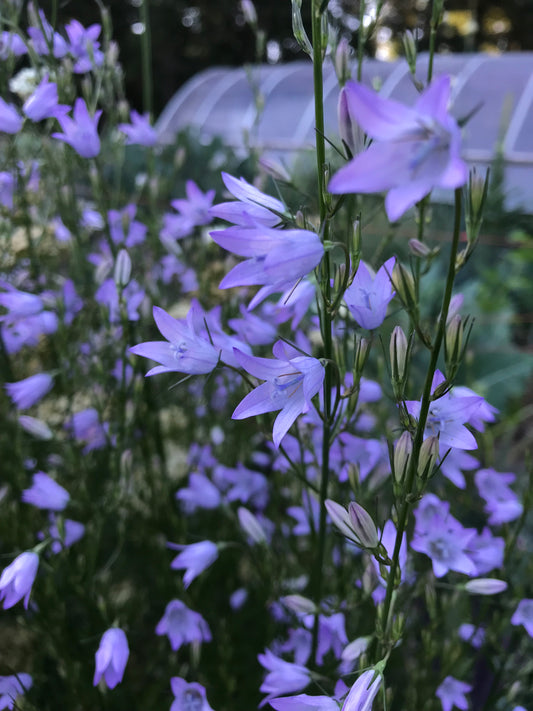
x=384, y=119
x=257, y=402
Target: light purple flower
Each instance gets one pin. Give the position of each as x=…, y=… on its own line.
x=132, y=295
x=26, y=393
x=17, y=579
x=252, y=206
x=194, y=559
x=182, y=625
x=11, y=44
x=10, y=119
x=452, y=693
x=472, y=634
x=7, y=189
x=80, y=132
x=486, y=551
x=304, y=702
x=71, y=532
x=201, y=493
x=42, y=38
x=252, y=329
x=292, y=380
x=362, y=694
x=523, y=615
x=43, y=103
x=367, y=297
x=189, y=696
x=193, y=211
x=140, y=132
x=502, y=504
x=13, y=686
x=414, y=150
x=111, y=657
x=86, y=427
x=283, y=677
x=124, y=228
x=45, y=493
x=84, y=46
x=184, y=351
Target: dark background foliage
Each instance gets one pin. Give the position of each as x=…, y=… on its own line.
x=190, y=35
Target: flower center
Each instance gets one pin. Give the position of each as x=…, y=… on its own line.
x=191, y=700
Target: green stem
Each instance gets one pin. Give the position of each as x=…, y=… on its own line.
x=146, y=58
x=422, y=420
x=360, y=40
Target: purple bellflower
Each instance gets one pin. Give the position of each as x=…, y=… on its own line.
x=7, y=189
x=10, y=119
x=201, y=493
x=415, y=149
x=523, y=615
x=182, y=625
x=41, y=39
x=13, y=686
x=194, y=559
x=111, y=657
x=124, y=228
x=304, y=702
x=189, y=697
x=502, y=504
x=139, y=132
x=71, y=532
x=252, y=206
x=362, y=694
x=84, y=47
x=85, y=426
x=11, y=44
x=26, y=393
x=43, y=103
x=45, y=493
x=367, y=298
x=193, y=211
x=282, y=678
x=184, y=351
x=80, y=132
x=17, y=579
x=452, y=693
x=291, y=381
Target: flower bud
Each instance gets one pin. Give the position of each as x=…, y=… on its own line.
x=485, y=586
x=250, y=524
x=363, y=526
x=429, y=452
x=453, y=344
x=298, y=29
x=274, y=169
x=404, y=284
x=362, y=350
x=299, y=604
x=455, y=306
x=340, y=518
x=342, y=60
x=402, y=454
x=351, y=133
x=122, y=269
x=398, y=359
x=419, y=249
x=353, y=650
x=35, y=427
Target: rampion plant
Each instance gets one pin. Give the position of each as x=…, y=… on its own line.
x=353, y=543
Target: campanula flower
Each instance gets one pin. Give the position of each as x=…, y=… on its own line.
x=252, y=206
x=11, y=44
x=182, y=625
x=13, y=686
x=523, y=615
x=83, y=46
x=139, y=132
x=27, y=392
x=111, y=657
x=45, y=493
x=194, y=559
x=415, y=149
x=80, y=132
x=362, y=694
x=189, y=697
x=367, y=297
x=192, y=211
x=43, y=103
x=291, y=381
x=304, y=702
x=184, y=351
x=201, y=493
x=17, y=579
x=452, y=693
x=10, y=119
x=283, y=677
x=42, y=36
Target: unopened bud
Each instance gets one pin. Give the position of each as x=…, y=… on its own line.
x=362, y=350
x=398, y=359
x=340, y=518
x=363, y=526
x=298, y=29
x=453, y=344
x=485, y=586
x=429, y=452
x=35, y=427
x=476, y=196
x=402, y=454
x=351, y=133
x=456, y=303
x=342, y=61
x=404, y=284
x=248, y=10
x=419, y=249
x=274, y=169
x=353, y=651
x=122, y=272
x=299, y=218
x=251, y=526
x=409, y=48
x=299, y=604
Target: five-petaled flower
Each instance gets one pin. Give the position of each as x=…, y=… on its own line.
x=415, y=149
x=111, y=657
x=81, y=131
x=291, y=381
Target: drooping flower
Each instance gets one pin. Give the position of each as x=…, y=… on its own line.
x=523, y=615
x=182, y=625
x=43, y=103
x=367, y=297
x=45, y=493
x=71, y=532
x=194, y=559
x=17, y=579
x=140, y=132
x=13, y=686
x=26, y=393
x=415, y=149
x=291, y=381
x=43, y=36
x=189, y=696
x=111, y=657
x=283, y=677
x=452, y=693
x=201, y=493
x=80, y=132
x=362, y=694
x=10, y=119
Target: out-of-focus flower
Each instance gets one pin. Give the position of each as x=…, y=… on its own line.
x=43, y=103
x=84, y=47
x=45, y=493
x=485, y=586
x=282, y=678
x=452, y=693
x=189, y=696
x=292, y=380
x=182, y=625
x=502, y=504
x=471, y=634
x=86, y=427
x=304, y=702
x=64, y=535
x=523, y=615
x=194, y=559
x=11, y=44
x=140, y=132
x=111, y=657
x=17, y=579
x=367, y=297
x=201, y=493
x=124, y=228
x=43, y=39
x=193, y=211
x=13, y=686
x=81, y=131
x=10, y=119
x=7, y=189
x=26, y=393
x=414, y=150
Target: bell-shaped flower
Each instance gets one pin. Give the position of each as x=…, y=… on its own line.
x=81, y=131
x=43, y=103
x=251, y=206
x=111, y=657
x=283, y=677
x=45, y=493
x=367, y=297
x=452, y=693
x=362, y=694
x=17, y=579
x=194, y=559
x=11, y=687
x=140, y=132
x=182, y=625
x=26, y=393
x=188, y=696
x=291, y=381
x=415, y=149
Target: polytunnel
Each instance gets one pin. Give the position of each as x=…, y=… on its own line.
x=495, y=92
